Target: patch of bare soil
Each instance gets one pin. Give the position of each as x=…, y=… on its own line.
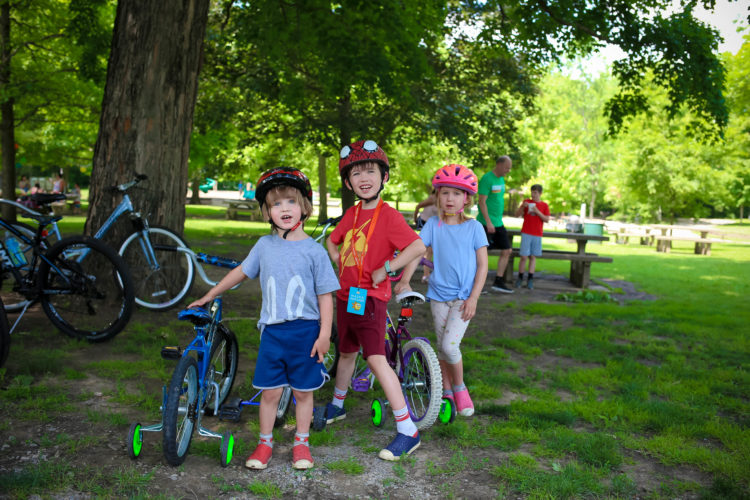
x=102, y=445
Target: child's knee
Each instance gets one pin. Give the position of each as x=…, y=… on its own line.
x=271, y=396
x=451, y=354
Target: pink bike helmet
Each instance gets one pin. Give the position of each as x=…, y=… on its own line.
x=456, y=176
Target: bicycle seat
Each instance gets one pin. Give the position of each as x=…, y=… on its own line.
x=408, y=298
x=47, y=198
x=199, y=316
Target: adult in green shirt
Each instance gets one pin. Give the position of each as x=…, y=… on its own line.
x=491, y=204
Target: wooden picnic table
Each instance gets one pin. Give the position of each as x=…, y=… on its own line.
x=580, y=260
x=702, y=242
x=233, y=206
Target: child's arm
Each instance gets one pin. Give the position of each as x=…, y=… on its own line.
x=333, y=252
x=544, y=217
x=232, y=278
x=521, y=208
x=403, y=284
x=321, y=346
x=469, y=307
x=414, y=250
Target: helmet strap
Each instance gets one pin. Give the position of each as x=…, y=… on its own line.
x=286, y=233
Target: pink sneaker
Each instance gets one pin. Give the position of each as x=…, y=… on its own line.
x=260, y=457
x=301, y=458
x=464, y=406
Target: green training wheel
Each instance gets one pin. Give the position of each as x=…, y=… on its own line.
x=135, y=440
x=378, y=412
x=447, y=411
x=227, y=448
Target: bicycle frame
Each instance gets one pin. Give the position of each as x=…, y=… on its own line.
x=201, y=346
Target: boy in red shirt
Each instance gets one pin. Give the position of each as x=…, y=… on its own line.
x=535, y=213
x=363, y=245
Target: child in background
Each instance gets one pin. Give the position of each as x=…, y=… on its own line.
x=296, y=280
x=363, y=245
x=535, y=213
x=459, y=246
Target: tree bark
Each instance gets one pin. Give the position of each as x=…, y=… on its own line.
x=147, y=110
x=7, y=127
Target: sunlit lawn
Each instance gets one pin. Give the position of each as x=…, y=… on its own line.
x=665, y=380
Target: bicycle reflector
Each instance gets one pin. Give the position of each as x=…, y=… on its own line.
x=407, y=312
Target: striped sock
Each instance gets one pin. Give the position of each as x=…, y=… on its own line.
x=458, y=388
x=301, y=439
x=447, y=393
x=404, y=424
x=338, y=397
x=266, y=439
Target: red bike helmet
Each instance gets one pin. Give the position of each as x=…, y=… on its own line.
x=456, y=176
x=360, y=152
x=282, y=176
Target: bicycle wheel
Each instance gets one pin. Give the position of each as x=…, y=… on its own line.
x=223, y=366
x=162, y=286
x=422, y=382
x=14, y=301
x=4, y=335
x=86, y=289
x=283, y=408
x=180, y=411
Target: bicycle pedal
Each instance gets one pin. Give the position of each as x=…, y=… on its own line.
x=231, y=410
x=361, y=384
x=171, y=352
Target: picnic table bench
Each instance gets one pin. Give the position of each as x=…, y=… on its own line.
x=580, y=260
x=624, y=233
x=234, y=206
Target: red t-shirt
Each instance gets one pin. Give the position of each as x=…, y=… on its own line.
x=390, y=234
x=532, y=223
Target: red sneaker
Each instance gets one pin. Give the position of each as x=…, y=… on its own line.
x=260, y=457
x=301, y=458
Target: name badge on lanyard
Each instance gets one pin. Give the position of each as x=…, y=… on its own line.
x=356, y=302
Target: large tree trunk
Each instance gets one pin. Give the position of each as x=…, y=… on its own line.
x=7, y=130
x=147, y=110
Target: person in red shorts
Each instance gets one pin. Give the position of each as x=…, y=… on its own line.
x=363, y=246
x=535, y=213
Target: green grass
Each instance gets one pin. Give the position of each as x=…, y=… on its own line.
x=596, y=384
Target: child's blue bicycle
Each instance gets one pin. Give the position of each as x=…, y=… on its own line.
x=199, y=385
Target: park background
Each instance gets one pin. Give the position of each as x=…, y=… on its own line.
x=595, y=396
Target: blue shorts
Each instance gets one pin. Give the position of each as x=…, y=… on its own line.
x=530, y=245
x=284, y=357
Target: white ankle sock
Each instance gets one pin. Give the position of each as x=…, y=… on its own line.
x=404, y=423
x=338, y=397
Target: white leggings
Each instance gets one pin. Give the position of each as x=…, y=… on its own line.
x=450, y=329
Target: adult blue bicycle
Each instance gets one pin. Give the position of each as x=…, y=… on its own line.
x=163, y=275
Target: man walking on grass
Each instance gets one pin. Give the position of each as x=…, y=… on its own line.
x=491, y=205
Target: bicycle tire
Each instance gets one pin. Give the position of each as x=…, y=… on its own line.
x=4, y=335
x=86, y=289
x=284, y=403
x=222, y=368
x=422, y=382
x=14, y=301
x=163, y=288
x=180, y=411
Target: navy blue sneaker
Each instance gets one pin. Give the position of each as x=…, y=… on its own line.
x=400, y=446
x=333, y=413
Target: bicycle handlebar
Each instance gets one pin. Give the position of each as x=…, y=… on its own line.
x=124, y=187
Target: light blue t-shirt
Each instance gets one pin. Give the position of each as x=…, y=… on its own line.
x=292, y=275
x=454, y=253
